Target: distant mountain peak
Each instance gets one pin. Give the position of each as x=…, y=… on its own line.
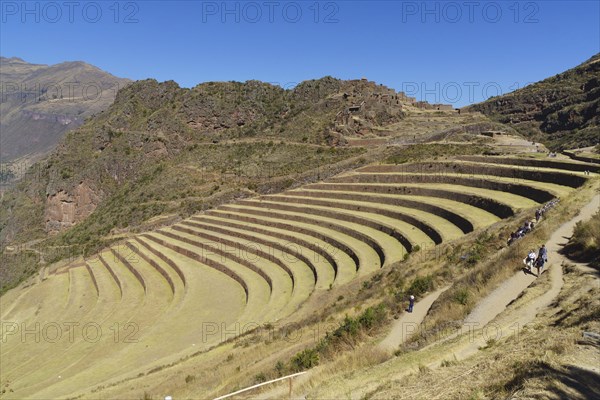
x=41, y=102
x=5, y=60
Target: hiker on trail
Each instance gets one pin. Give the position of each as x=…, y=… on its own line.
x=539, y=265
x=529, y=260
x=512, y=238
x=543, y=253
x=542, y=258
x=411, y=303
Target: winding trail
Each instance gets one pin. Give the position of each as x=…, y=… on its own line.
x=496, y=302
x=491, y=308
x=408, y=324
x=495, y=310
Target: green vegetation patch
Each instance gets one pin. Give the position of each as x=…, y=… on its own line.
x=584, y=245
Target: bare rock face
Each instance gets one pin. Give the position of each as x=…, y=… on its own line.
x=64, y=210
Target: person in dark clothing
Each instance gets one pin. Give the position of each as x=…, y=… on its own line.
x=512, y=238
x=539, y=265
x=541, y=259
x=411, y=303
x=543, y=253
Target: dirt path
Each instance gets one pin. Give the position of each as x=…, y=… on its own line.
x=402, y=329
x=494, y=313
x=408, y=323
x=491, y=308
x=496, y=302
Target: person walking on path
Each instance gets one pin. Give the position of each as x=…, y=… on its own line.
x=411, y=303
x=542, y=257
x=529, y=261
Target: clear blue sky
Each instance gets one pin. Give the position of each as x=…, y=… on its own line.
x=437, y=51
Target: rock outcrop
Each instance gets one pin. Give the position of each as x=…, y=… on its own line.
x=64, y=209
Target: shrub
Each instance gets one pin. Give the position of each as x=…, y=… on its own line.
x=584, y=245
x=260, y=378
x=447, y=363
x=462, y=296
x=420, y=285
x=349, y=327
x=372, y=317
x=304, y=360
x=280, y=368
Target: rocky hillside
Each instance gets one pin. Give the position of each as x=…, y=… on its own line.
x=161, y=151
x=563, y=111
x=41, y=102
x=320, y=111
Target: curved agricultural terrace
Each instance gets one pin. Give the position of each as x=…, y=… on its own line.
x=169, y=293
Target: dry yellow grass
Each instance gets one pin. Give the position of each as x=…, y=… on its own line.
x=158, y=365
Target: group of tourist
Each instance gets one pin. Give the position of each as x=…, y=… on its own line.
x=539, y=213
x=528, y=225
x=522, y=231
x=532, y=260
x=536, y=260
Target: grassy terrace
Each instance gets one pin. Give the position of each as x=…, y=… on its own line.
x=297, y=281
x=133, y=308
x=201, y=280
x=533, y=189
x=255, y=261
x=393, y=215
x=501, y=204
x=344, y=235
x=304, y=258
x=436, y=228
x=281, y=285
x=330, y=238
x=381, y=228
x=82, y=299
x=547, y=175
x=535, y=163
x=28, y=310
x=341, y=265
x=416, y=204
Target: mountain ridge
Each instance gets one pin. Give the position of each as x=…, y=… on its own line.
x=562, y=110
x=41, y=102
x=162, y=150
